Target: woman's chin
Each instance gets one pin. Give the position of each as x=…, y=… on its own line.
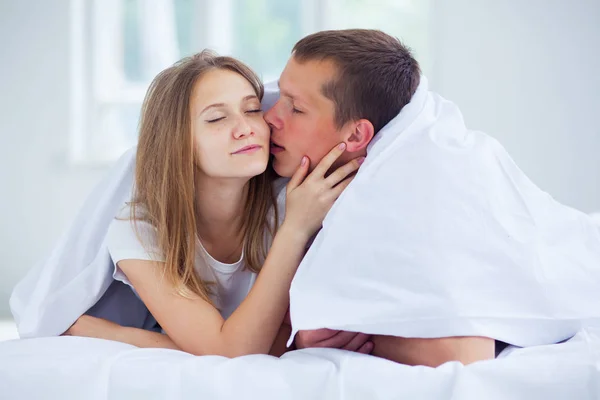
x=255, y=168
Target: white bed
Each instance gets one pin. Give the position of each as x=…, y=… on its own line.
x=81, y=368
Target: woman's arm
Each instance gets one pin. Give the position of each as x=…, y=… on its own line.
x=195, y=326
x=99, y=328
x=279, y=347
x=88, y=326
x=255, y=327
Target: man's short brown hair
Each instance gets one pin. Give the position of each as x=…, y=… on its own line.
x=376, y=74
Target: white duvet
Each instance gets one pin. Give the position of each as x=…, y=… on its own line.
x=81, y=368
x=441, y=234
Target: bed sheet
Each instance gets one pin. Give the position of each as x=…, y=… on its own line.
x=78, y=368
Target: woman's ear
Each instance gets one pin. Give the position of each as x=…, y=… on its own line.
x=360, y=136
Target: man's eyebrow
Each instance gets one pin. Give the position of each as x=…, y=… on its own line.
x=285, y=92
x=217, y=105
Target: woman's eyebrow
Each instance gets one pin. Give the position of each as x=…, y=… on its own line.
x=216, y=105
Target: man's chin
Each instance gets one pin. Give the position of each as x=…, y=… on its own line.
x=283, y=169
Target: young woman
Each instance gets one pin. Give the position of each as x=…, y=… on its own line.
x=193, y=241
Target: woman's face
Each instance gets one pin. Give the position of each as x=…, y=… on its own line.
x=231, y=138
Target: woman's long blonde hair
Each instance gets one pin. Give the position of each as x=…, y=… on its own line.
x=164, y=175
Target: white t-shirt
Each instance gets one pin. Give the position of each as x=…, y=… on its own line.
x=232, y=281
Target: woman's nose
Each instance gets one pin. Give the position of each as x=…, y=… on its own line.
x=242, y=129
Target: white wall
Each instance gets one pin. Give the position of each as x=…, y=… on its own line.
x=40, y=192
x=528, y=73
x=524, y=71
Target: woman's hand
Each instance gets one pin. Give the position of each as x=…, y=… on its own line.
x=88, y=326
x=309, y=198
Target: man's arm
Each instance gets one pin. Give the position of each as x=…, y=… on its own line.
x=352, y=341
x=434, y=352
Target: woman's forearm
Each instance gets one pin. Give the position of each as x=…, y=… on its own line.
x=147, y=339
x=143, y=338
x=196, y=326
x=279, y=347
x=90, y=326
x=254, y=325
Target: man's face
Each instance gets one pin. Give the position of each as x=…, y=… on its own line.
x=302, y=120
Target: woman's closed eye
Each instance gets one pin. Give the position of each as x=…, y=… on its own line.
x=217, y=119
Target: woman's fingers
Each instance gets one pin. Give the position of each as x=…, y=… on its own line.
x=299, y=175
x=337, y=191
x=342, y=172
x=325, y=164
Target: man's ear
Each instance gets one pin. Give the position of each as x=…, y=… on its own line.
x=361, y=133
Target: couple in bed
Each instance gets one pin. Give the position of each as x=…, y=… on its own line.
x=435, y=244
x=210, y=241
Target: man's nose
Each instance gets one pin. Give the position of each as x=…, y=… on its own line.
x=273, y=118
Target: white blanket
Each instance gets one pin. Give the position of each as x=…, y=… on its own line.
x=80, y=368
x=441, y=234
x=62, y=287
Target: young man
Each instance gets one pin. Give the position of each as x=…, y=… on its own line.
x=344, y=86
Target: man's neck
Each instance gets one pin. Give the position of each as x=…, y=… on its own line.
x=346, y=158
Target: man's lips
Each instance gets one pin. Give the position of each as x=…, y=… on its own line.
x=247, y=149
x=275, y=148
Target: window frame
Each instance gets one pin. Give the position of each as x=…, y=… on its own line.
x=98, y=80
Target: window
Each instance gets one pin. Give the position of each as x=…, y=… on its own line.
x=118, y=46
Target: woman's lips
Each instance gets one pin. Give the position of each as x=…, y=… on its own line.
x=247, y=149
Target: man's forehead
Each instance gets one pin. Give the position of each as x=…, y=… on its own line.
x=304, y=80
